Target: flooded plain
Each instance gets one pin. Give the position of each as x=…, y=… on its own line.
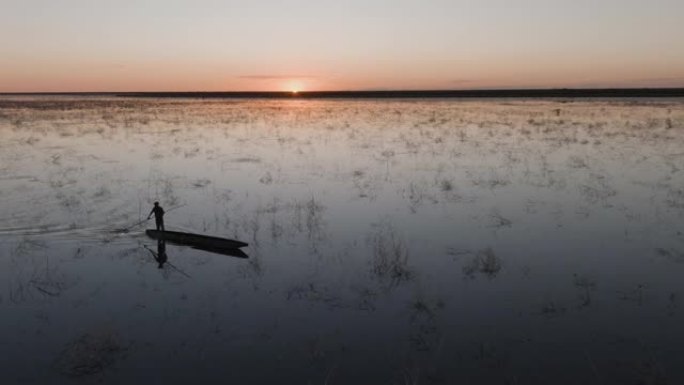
x=390, y=241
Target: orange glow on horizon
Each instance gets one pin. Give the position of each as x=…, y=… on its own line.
x=177, y=77
x=294, y=87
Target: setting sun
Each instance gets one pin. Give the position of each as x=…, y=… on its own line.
x=294, y=87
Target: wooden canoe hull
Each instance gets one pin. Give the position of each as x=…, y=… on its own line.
x=195, y=240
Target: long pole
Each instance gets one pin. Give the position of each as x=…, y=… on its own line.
x=127, y=229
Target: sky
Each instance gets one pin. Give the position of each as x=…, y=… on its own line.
x=286, y=45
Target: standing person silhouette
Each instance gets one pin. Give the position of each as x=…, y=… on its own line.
x=158, y=212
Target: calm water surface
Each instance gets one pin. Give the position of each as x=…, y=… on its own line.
x=391, y=242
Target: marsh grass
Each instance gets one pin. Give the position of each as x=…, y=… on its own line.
x=498, y=221
x=598, y=190
x=91, y=353
x=586, y=287
x=551, y=309
x=490, y=181
x=28, y=246
x=672, y=255
x=390, y=256
x=485, y=262
x=50, y=280
x=635, y=294
x=366, y=299
x=315, y=293
x=446, y=185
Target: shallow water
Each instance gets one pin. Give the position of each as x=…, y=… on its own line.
x=391, y=241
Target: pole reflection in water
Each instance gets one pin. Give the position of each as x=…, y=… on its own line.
x=162, y=258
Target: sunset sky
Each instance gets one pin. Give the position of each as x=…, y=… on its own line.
x=231, y=45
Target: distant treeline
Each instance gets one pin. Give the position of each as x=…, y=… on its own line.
x=512, y=93
x=537, y=93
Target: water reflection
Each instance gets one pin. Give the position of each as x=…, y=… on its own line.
x=160, y=256
x=390, y=241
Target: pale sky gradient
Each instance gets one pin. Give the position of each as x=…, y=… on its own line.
x=235, y=45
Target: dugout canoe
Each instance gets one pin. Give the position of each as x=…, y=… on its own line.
x=195, y=240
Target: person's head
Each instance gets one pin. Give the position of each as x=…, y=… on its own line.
x=156, y=203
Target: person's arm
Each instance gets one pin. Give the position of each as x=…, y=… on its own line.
x=151, y=212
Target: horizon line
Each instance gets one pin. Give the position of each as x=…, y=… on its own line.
x=383, y=93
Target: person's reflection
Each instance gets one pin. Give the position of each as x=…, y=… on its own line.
x=160, y=256
x=161, y=253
